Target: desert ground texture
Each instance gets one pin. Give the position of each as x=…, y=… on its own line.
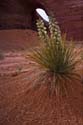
x=23, y=104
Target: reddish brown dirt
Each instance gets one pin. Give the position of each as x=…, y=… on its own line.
x=24, y=103
x=11, y=40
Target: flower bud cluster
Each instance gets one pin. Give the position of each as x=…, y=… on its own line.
x=55, y=32
x=54, y=29
x=42, y=30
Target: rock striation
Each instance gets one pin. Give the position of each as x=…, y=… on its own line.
x=21, y=14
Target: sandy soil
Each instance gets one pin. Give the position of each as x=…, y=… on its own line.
x=23, y=102
x=11, y=40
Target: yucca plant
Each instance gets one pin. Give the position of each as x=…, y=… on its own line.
x=54, y=55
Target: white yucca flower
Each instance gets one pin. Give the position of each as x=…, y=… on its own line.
x=55, y=32
x=42, y=31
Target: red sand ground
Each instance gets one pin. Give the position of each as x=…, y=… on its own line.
x=21, y=103
x=17, y=39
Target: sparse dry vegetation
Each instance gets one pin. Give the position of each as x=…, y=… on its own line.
x=55, y=56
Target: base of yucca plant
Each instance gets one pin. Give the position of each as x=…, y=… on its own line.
x=61, y=93
x=56, y=99
x=29, y=99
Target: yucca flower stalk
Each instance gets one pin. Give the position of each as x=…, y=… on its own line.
x=54, y=28
x=42, y=31
x=54, y=55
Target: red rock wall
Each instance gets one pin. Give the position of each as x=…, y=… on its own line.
x=69, y=14
x=21, y=14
